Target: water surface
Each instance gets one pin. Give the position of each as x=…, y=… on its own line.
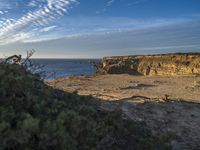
x=56, y=68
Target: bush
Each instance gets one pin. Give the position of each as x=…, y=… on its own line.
x=35, y=116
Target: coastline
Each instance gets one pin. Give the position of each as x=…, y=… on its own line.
x=174, y=76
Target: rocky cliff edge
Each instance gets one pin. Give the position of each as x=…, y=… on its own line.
x=165, y=64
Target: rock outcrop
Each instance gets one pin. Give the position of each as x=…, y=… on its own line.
x=163, y=64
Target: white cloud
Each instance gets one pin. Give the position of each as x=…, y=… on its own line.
x=109, y=3
x=104, y=9
x=34, y=3
x=3, y=12
x=136, y=2
x=184, y=36
x=40, y=17
x=16, y=37
x=46, y=29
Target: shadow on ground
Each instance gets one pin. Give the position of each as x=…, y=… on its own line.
x=178, y=119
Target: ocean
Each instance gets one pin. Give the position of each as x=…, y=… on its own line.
x=57, y=68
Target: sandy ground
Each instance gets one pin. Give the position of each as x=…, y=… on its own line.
x=144, y=99
x=117, y=87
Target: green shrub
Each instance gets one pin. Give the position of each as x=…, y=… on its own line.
x=35, y=116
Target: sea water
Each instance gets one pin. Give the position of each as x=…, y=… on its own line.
x=57, y=68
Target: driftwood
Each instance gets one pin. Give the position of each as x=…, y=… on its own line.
x=17, y=59
x=14, y=59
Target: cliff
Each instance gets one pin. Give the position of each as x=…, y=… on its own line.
x=163, y=64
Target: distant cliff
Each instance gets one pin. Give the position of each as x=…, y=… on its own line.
x=165, y=64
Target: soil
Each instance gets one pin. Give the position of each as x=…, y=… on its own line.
x=117, y=87
x=169, y=105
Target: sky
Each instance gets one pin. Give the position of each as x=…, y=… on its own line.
x=98, y=28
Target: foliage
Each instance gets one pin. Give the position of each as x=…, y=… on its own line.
x=35, y=116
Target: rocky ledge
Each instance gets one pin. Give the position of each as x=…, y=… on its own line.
x=162, y=64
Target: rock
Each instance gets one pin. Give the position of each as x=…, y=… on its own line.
x=150, y=65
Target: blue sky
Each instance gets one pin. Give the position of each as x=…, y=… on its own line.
x=97, y=28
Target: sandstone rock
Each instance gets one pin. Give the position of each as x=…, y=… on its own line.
x=150, y=65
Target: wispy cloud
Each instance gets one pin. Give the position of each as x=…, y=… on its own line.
x=136, y=2
x=178, y=37
x=2, y=12
x=109, y=3
x=34, y=3
x=46, y=29
x=41, y=16
x=104, y=9
x=92, y=25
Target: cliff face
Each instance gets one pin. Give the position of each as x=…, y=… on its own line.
x=167, y=64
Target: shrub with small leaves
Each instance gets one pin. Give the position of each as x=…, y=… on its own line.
x=35, y=116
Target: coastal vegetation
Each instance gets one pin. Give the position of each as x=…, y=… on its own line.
x=36, y=116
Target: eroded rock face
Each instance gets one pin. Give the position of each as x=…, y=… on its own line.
x=166, y=64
